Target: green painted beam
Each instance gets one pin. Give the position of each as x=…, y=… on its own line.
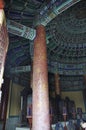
x=21, y=30
x=54, y=8
x=21, y=69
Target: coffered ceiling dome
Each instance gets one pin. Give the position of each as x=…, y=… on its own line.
x=67, y=36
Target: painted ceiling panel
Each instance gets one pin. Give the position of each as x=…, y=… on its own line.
x=66, y=40
x=68, y=36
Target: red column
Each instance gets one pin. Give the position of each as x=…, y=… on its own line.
x=31, y=75
x=40, y=117
x=1, y=4
x=3, y=44
x=4, y=102
x=57, y=85
x=58, y=93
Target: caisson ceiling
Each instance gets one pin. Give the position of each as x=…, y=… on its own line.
x=66, y=42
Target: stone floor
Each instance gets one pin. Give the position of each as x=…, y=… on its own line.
x=11, y=123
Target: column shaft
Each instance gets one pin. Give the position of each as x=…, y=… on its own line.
x=4, y=102
x=1, y=4
x=57, y=85
x=3, y=44
x=40, y=117
x=58, y=96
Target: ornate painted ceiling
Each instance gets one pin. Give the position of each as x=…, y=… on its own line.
x=66, y=42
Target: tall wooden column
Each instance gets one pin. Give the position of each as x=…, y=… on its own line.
x=4, y=102
x=31, y=76
x=58, y=93
x=84, y=91
x=40, y=117
x=1, y=4
x=57, y=85
x=85, y=79
x=3, y=41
